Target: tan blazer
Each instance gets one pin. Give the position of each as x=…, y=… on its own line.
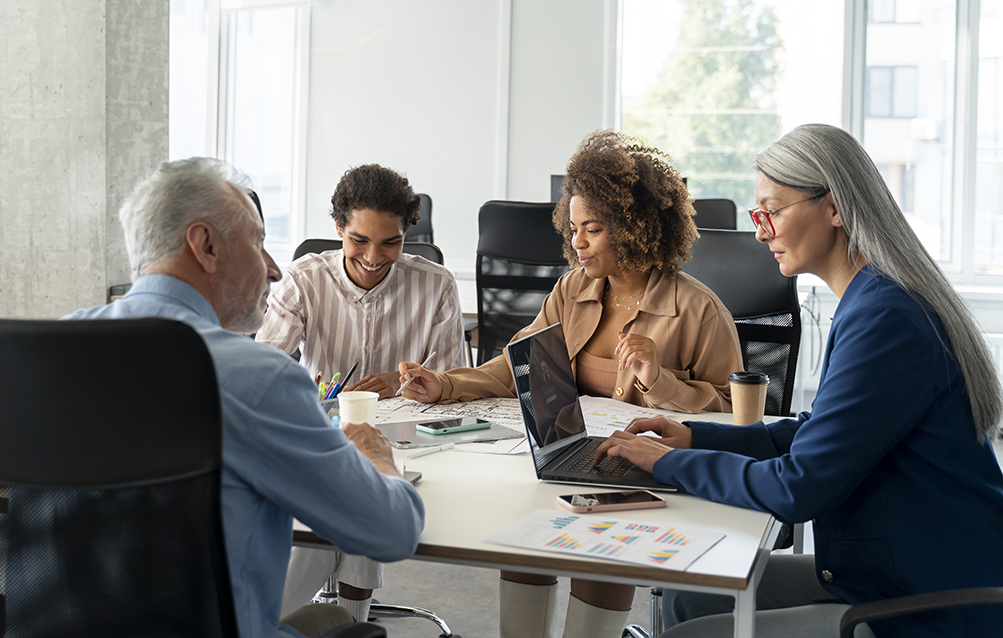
x=694, y=337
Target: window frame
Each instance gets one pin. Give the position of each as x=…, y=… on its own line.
x=221, y=21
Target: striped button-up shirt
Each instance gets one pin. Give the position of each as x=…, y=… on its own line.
x=317, y=308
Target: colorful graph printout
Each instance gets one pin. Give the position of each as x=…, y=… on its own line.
x=613, y=539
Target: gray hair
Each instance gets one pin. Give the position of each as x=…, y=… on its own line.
x=160, y=209
x=815, y=159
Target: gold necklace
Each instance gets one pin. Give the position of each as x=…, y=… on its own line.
x=617, y=300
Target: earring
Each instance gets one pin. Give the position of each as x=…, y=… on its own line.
x=839, y=222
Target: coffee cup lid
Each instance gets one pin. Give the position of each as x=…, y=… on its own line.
x=748, y=378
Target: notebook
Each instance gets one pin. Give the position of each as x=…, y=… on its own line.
x=555, y=426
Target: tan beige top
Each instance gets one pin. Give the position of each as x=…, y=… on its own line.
x=694, y=336
x=596, y=376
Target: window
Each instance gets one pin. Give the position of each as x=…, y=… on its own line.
x=901, y=11
x=926, y=103
x=238, y=92
x=741, y=73
x=909, y=115
x=891, y=91
x=901, y=180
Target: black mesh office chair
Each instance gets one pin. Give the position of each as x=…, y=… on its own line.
x=715, y=213
x=422, y=231
x=430, y=252
x=109, y=481
x=113, y=521
x=520, y=256
x=745, y=276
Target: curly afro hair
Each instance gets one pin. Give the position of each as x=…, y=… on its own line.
x=374, y=187
x=637, y=195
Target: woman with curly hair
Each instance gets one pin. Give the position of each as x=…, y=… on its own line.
x=638, y=330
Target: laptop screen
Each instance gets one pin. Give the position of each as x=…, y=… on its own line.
x=546, y=387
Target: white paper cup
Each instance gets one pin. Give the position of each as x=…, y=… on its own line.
x=357, y=407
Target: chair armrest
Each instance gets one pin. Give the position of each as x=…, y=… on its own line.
x=881, y=609
x=359, y=630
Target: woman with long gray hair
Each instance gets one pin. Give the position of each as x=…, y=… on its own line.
x=893, y=465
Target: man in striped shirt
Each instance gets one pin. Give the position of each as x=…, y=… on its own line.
x=367, y=303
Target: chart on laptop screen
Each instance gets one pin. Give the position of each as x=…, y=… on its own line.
x=604, y=416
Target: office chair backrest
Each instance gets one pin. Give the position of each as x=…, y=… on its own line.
x=110, y=475
x=430, y=252
x=422, y=231
x=745, y=276
x=520, y=256
x=715, y=213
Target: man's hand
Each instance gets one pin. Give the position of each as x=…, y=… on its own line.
x=386, y=384
x=374, y=444
x=426, y=387
x=642, y=451
x=672, y=433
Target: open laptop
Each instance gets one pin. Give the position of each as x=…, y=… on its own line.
x=562, y=450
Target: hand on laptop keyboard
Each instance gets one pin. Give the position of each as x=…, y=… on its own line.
x=642, y=451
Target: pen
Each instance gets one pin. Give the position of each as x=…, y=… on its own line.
x=333, y=388
x=408, y=382
x=341, y=385
x=432, y=450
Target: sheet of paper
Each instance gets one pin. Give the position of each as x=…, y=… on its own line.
x=501, y=411
x=607, y=537
x=603, y=416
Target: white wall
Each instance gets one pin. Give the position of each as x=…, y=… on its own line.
x=414, y=86
x=424, y=88
x=556, y=90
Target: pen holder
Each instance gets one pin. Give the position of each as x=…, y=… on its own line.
x=330, y=407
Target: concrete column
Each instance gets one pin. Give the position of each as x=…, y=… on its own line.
x=83, y=117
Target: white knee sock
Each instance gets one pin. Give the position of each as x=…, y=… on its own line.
x=587, y=621
x=526, y=611
x=358, y=608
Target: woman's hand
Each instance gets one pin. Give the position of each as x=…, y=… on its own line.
x=673, y=433
x=426, y=387
x=642, y=451
x=386, y=384
x=638, y=353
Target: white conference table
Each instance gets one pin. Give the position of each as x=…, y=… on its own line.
x=468, y=497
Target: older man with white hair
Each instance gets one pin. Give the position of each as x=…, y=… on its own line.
x=196, y=245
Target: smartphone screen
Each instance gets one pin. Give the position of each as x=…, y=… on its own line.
x=610, y=498
x=609, y=501
x=452, y=425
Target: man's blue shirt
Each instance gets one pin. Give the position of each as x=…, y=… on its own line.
x=281, y=459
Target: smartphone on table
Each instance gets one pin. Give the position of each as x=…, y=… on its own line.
x=610, y=501
x=453, y=425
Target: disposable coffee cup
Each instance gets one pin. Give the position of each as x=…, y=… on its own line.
x=748, y=396
x=357, y=407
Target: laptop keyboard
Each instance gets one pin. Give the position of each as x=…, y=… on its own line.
x=610, y=466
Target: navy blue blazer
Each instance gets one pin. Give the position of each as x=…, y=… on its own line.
x=904, y=498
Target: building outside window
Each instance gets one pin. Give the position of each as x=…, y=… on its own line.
x=891, y=91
